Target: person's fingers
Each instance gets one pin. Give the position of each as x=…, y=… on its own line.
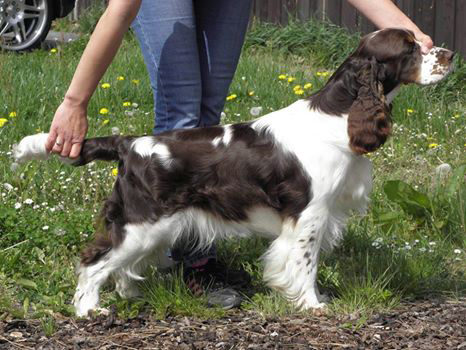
x=58, y=145
x=51, y=140
x=427, y=44
x=75, y=150
x=66, y=148
x=425, y=48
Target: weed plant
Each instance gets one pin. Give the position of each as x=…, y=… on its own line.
x=411, y=243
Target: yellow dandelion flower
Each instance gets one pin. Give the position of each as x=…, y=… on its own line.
x=308, y=86
x=231, y=97
x=456, y=116
x=54, y=50
x=135, y=81
x=409, y=111
x=299, y=92
x=38, y=130
x=126, y=104
x=103, y=111
x=282, y=77
x=105, y=86
x=291, y=79
x=297, y=87
x=120, y=78
x=105, y=122
x=323, y=74
x=250, y=93
x=3, y=121
x=433, y=145
x=114, y=171
x=12, y=114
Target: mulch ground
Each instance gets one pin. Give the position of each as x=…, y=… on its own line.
x=419, y=325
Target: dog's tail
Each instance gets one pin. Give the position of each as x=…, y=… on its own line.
x=110, y=148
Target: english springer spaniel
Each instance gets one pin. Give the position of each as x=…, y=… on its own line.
x=293, y=176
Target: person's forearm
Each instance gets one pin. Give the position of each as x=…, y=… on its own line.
x=384, y=14
x=101, y=49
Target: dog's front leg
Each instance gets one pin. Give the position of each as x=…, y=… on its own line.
x=292, y=260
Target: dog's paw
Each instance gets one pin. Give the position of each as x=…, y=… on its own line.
x=90, y=313
x=315, y=306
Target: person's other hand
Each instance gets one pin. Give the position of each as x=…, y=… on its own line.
x=68, y=129
x=426, y=42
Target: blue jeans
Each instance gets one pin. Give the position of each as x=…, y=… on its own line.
x=191, y=49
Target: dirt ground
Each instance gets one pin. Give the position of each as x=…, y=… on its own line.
x=419, y=325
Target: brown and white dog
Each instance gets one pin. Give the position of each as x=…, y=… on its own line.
x=293, y=175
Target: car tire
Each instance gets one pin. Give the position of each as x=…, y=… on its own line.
x=24, y=24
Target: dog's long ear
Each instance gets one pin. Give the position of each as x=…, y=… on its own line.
x=369, y=122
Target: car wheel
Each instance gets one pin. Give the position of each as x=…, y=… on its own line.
x=24, y=24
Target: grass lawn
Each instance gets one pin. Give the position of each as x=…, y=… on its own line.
x=411, y=244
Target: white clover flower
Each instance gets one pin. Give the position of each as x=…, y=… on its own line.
x=256, y=111
x=36, y=206
x=7, y=186
x=223, y=115
x=115, y=131
x=45, y=228
x=18, y=205
x=28, y=201
x=60, y=232
x=432, y=243
x=457, y=251
x=134, y=105
x=129, y=114
x=422, y=249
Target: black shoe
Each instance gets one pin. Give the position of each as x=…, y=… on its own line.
x=215, y=280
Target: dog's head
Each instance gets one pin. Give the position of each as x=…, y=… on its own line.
x=399, y=58
x=383, y=61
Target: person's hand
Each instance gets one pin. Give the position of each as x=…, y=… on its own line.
x=426, y=42
x=68, y=129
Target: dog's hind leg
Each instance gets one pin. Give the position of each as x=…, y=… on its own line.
x=140, y=240
x=292, y=259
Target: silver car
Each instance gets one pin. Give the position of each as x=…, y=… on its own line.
x=24, y=24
